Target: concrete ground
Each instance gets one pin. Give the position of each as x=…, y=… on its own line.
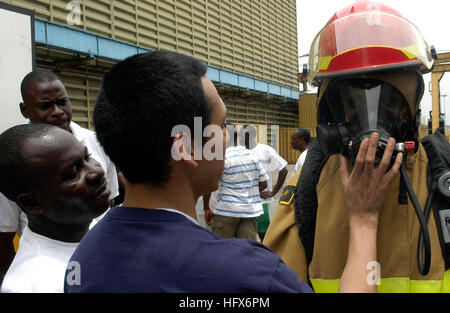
x=272, y=208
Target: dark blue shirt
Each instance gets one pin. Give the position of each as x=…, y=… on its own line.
x=145, y=250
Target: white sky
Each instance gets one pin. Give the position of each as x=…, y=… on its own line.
x=432, y=17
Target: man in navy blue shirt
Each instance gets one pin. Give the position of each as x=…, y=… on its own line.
x=153, y=242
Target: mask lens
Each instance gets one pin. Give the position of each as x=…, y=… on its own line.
x=366, y=105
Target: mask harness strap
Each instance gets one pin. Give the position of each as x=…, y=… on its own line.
x=424, y=246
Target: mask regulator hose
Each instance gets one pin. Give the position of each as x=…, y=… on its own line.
x=424, y=245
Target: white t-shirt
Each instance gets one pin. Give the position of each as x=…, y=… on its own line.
x=39, y=265
x=300, y=161
x=238, y=193
x=271, y=161
x=12, y=219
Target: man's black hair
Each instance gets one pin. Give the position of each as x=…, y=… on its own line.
x=303, y=132
x=248, y=133
x=15, y=174
x=39, y=76
x=233, y=133
x=141, y=99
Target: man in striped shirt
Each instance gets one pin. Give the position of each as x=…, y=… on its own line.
x=239, y=202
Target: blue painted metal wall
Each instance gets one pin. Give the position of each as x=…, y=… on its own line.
x=63, y=37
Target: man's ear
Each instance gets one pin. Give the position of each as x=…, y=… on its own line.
x=183, y=149
x=23, y=109
x=121, y=179
x=31, y=203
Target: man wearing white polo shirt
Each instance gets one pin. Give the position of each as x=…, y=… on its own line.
x=271, y=162
x=300, y=140
x=239, y=202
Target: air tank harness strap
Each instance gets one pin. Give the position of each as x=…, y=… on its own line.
x=438, y=181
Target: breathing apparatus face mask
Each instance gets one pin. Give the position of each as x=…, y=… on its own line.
x=353, y=108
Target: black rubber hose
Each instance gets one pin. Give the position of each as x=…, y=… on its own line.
x=423, y=263
x=427, y=215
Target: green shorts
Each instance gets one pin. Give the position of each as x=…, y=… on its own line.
x=264, y=219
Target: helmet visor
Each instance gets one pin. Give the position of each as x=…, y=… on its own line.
x=366, y=29
x=366, y=105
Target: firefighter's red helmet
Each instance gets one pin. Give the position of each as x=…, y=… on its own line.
x=364, y=37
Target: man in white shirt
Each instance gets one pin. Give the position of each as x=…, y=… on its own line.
x=61, y=189
x=300, y=140
x=238, y=199
x=271, y=162
x=45, y=100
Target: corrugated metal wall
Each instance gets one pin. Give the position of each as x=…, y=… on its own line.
x=256, y=37
x=307, y=112
x=253, y=113
x=253, y=37
x=82, y=90
x=285, y=149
